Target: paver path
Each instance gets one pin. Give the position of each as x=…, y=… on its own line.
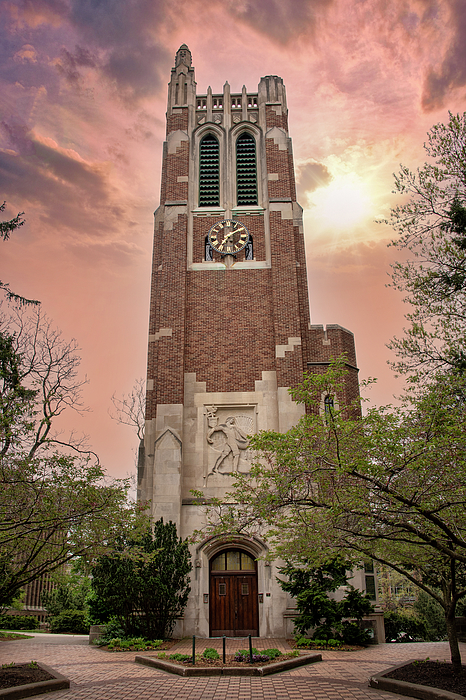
x=99, y=675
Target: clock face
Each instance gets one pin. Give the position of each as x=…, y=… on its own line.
x=228, y=237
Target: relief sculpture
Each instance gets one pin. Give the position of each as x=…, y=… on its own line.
x=230, y=439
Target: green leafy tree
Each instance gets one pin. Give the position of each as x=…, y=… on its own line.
x=310, y=587
x=6, y=229
x=55, y=500
x=389, y=486
x=427, y=609
x=431, y=227
x=70, y=592
x=145, y=581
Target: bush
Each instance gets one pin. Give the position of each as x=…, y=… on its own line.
x=133, y=644
x=272, y=653
x=180, y=657
x=353, y=634
x=400, y=627
x=18, y=622
x=149, y=594
x=70, y=622
x=310, y=586
x=432, y=613
x=210, y=653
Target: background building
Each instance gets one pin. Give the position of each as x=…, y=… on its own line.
x=229, y=332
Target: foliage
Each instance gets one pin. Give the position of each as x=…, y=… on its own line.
x=304, y=642
x=133, y=644
x=428, y=610
x=431, y=227
x=272, y=653
x=210, y=653
x=396, y=592
x=55, y=501
x=6, y=229
x=390, y=486
x=180, y=657
x=19, y=622
x=113, y=630
x=403, y=627
x=310, y=587
x=70, y=622
x=145, y=581
x=70, y=593
x=243, y=655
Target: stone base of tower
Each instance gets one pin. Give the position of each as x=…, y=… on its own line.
x=200, y=446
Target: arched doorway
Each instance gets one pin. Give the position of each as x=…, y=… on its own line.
x=233, y=595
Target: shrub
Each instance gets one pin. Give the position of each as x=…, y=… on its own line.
x=70, y=622
x=148, y=595
x=310, y=586
x=18, y=622
x=210, y=653
x=432, y=613
x=353, y=634
x=180, y=657
x=400, y=627
x=272, y=653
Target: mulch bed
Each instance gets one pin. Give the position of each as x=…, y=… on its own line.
x=20, y=674
x=436, y=674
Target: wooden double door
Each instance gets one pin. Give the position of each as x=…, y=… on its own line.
x=233, y=604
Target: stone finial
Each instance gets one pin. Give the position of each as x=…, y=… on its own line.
x=183, y=56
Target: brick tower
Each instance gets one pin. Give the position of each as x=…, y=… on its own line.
x=229, y=331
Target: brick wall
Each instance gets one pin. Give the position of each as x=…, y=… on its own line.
x=168, y=297
x=279, y=162
x=274, y=119
x=229, y=328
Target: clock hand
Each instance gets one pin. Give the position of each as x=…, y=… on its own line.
x=227, y=236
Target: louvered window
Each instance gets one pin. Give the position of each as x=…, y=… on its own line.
x=209, y=172
x=246, y=176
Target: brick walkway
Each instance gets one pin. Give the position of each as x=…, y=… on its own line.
x=99, y=675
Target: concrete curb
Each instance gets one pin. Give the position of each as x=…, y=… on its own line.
x=245, y=670
x=411, y=690
x=58, y=682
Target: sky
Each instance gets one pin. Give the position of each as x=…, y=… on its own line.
x=83, y=89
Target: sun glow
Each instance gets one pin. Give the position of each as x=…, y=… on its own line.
x=343, y=204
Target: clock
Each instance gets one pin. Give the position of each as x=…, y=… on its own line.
x=228, y=236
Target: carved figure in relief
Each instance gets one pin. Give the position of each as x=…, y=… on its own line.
x=235, y=440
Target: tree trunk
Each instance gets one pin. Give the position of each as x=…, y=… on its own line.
x=453, y=636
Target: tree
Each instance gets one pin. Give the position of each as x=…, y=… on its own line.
x=39, y=380
x=310, y=587
x=431, y=226
x=6, y=229
x=130, y=408
x=145, y=581
x=390, y=486
x=55, y=500
x=66, y=604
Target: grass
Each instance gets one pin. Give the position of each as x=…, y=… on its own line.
x=7, y=636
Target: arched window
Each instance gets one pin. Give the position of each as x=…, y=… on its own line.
x=246, y=172
x=209, y=172
x=233, y=560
